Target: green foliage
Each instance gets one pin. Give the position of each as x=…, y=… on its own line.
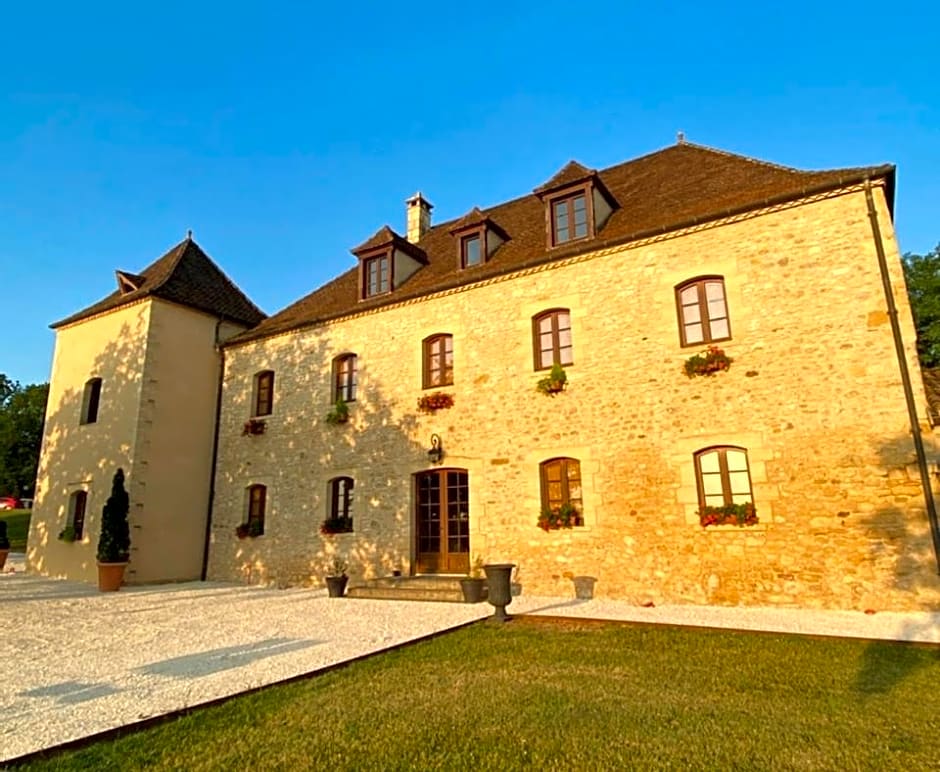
x=728, y=514
x=565, y=516
x=114, y=544
x=18, y=522
x=336, y=525
x=339, y=414
x=22, y=411
x=67, y=534
x=712, y=360
x=554, y=382
x=922, y=274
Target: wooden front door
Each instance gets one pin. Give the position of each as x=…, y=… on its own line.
x=442, y=522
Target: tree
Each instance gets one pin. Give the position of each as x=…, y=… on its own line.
x=114, y=543
x=922, y=274
x=22, y=413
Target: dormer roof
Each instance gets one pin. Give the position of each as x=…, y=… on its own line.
x=570, y=174
x=475, y=218
x=384, y=238
x=184, y=275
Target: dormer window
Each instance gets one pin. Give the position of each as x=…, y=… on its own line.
x=577, y=205
x=471, y=251
x=477, y=237
x=386, y=261
x=569, y=218
x=376, y=276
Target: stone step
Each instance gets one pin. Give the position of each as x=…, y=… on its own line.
x=445, y=589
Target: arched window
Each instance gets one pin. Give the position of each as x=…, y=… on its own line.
x=344, y=377
x=551, y=338
x=257, y=503
x=561, y=486
x=723, y=477
x=340, y=515
x=264, y=393
x=703, y=311
x=76, y=517
x=91, y=398
x=438, y=361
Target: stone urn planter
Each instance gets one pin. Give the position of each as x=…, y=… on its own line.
x=498, y=581
x=473, y=589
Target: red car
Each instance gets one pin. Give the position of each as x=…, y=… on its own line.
x=10, y=502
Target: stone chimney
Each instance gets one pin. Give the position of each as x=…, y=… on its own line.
x=419, y=217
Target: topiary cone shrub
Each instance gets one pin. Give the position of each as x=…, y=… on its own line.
x=114, y=543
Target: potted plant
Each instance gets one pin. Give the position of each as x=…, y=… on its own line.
x=253, y=426
x=564, y=516
x=339, y=414
x=712, y=360
x=250, y=529
x=67, y=534
x=437, y=400
x=4, y=544
x=336, y=525
x=553, y=383
x=472, y=585
x=729, y=514
x=114, y=543
x=336, y=580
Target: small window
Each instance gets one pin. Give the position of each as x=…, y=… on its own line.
x=91, y=400
x=76, y=518
x=438, y=361
x=723, y=477
x=569, y=218
x=264, y=393
x=561, y=485
x=257, y=501
x=471, y=250
x=341, y=505
x=344, y=378
x=375, y=276
x=703, y=312
x=552, y=338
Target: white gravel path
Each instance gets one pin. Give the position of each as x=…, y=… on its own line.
x=83, y=662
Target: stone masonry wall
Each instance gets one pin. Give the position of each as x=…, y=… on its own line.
x=814, y=395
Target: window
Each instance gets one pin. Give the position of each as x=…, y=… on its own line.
x=257, y=500
x=264, y=393
x=344, y=378
x=375, y=276
x=703, y=313
x=90, y=401
x=552, y=338
x=438, y=361
x=723, y=477
x=341, y=500
x=77, y=503
x=471, y=251
x=561, y=485
x=569, y=218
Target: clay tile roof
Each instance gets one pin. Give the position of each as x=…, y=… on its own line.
x=571, y=173
x=184, y=275
x=677, y=187
x=932, y=390
x=385, y=237
x=471, y=218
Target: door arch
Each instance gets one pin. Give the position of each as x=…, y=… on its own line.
x=442, y=522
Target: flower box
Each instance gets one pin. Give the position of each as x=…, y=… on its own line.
x=565, y=516
x=730, y=514
x=555, y=382
x=438, y=400
x=250, y=529
x=709, y=362
x=253, y=426
x=336, y=525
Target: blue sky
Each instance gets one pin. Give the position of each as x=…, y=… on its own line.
x=284, y=134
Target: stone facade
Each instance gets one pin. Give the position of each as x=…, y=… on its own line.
x=814, y=395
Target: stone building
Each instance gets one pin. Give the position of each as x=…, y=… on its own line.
x=729, y=354
x=134, y=385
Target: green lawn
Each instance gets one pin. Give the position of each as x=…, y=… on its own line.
x=17, y=527
x=571, y=695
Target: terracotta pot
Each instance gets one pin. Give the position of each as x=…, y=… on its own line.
x=110, y=576
x=3, y=558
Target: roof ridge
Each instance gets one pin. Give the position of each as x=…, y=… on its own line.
x=225, y=276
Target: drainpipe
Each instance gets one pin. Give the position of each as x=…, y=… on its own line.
x=215, y=454
x=905, y=375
